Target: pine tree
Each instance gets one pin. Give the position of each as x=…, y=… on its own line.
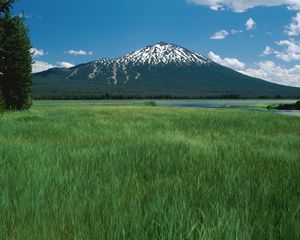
x=6, y=5
x=2, y=104
x=16, y=62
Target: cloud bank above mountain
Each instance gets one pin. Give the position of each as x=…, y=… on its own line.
x=244, y=5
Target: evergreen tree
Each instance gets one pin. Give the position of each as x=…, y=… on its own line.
x=2, y=104
x=16, y=61
x=5, y=6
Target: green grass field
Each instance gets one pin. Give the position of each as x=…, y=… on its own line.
x=93, y=171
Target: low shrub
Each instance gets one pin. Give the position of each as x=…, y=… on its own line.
x=150, y=104
x=294, y=106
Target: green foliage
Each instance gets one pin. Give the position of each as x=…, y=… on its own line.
x=5, y=6
x=150, y=104
x=2, y=103
x=272, y=106
x=295, y=106
x=103, y=172
x=16, y=63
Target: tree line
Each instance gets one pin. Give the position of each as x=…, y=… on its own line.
x=15, y=60
x=133, y=96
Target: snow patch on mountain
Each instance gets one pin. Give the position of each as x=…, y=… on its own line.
x=151, y=56
x=163, y=53
x=124, y=68
x=95, y=72
x=114, y=76
x=74, y=73
x=137, y=76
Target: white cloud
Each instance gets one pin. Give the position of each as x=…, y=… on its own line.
x=79, y=52
x=37, y=52
x=227, y=62
x=272, y=72
x=65, y=64
x=39, y=66
x=244, y=5
x=291, y=51
x=267, y=51
x=250, y=24
x=294, y=28
x=295, y=6
x=222, y=34
x=266, y=70
x=219, y=35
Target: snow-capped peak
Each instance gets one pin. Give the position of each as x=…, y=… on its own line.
x=128, y=66
x=164, y=53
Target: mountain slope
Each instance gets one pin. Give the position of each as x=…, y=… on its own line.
x=160, y=70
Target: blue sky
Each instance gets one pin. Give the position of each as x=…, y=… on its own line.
x=260, y=38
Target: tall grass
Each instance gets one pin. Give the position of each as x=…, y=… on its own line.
x=109, y=172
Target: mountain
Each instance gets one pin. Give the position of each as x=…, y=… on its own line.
x=162, y=70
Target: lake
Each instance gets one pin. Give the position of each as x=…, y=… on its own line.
x=229, y=104
x=290, y=112
x=220, y=103
x=202, y=103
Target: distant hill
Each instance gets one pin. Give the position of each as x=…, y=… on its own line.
x=162, y=70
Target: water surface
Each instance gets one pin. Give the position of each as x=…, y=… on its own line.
x=252, y=104
x=220, y=103
x=289, y=112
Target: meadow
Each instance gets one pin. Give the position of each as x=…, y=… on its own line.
x=104, y=171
